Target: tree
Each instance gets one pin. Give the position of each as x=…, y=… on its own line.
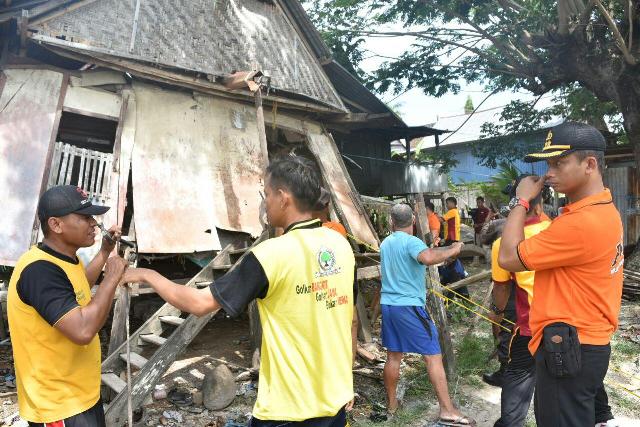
x=586, y=51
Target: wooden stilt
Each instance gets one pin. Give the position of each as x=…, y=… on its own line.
x=435, y=304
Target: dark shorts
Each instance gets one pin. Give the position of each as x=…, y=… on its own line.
x=92, y=417
x=409, y=329
x=338, y=420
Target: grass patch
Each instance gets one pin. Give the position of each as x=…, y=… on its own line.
x=418, y=383
x=471, y=358
x=622, y=347
x=403, y=418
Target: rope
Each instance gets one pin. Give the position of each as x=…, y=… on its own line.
x=444, y=287
x=438, y=294
x=622, y=387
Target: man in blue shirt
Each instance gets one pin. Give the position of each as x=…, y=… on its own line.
x=406, y=325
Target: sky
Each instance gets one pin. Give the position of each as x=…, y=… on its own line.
x=416, y=108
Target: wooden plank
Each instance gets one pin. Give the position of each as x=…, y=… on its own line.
x=55, y=166
x=338, y=181
x=72, y=158
x=87, y=170
x=435, y=304
x=172, y=320
x=93, y=103
x=114, y=382
x=117, y=145
x=65, y=164
x=152, y=371
x=372, y=272
x=469, y=280
x=83, y=155
x=136, y=360
x=153, y=339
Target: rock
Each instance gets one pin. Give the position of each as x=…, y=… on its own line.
x=198, y=399
x=218, y=388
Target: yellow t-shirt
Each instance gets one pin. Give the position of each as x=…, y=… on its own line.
x=55, y=378
x=452, y=225
x=306, y=314
x=524, y=279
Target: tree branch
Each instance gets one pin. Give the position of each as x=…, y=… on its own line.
x=631, y=60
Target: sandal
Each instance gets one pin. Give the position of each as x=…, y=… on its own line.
x=462, y=421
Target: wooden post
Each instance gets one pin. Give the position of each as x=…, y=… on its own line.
x=435, y=304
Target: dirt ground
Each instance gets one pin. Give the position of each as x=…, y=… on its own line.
x=225, y=339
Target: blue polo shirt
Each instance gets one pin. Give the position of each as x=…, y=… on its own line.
x=403, y=277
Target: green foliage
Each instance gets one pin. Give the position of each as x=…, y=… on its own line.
x=468, y=105
x=444, y=159
x=471, y=358
x=505, y=45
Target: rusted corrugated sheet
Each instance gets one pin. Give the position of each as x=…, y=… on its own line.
x=196, y=166
x=27, y=113
x=623, y=182
x=335, y=175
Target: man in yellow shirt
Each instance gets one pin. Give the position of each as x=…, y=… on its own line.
x=451, y=221
x=518, y=379
x=303, y=283
x=54, y=320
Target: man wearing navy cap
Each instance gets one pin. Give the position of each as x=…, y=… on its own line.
x=54, y=320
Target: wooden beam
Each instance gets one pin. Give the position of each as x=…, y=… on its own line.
x=435, y=304
x=469, y=280
x=89, y=114
x=47, y=162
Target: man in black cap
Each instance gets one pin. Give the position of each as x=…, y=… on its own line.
x=578, y=282
x=54, y=320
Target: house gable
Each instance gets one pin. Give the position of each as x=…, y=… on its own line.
x=205, y=36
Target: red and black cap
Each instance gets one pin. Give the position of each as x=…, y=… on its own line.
x=62, y=200
x=567, y=138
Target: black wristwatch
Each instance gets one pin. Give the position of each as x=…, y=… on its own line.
x=496, y=310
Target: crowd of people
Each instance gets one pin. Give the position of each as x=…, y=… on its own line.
x=566, y=295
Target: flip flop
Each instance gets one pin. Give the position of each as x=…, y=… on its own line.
x=462, y=421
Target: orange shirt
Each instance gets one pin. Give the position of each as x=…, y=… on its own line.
x=578, y=263
x=336, y=226
x=434, y=223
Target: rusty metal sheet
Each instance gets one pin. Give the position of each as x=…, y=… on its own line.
x=335, y=175
x=196, y=166
x=27, y=113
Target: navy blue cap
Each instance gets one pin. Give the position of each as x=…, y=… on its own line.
x=567, y=138
x=62, y=200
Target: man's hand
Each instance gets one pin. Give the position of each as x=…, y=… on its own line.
x=108, y=245
x=530, y=187
x=114, y=269
x=135, y=275
x=457, y=247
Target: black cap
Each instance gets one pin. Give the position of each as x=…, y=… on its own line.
x=566, y=138
x=62, y=200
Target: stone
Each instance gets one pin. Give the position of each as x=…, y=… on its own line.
x=218, y=388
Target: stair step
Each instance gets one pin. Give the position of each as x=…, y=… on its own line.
x=172, y=320
x=238, y=251
x=136, y=360
x=153, y=339
x=114, y=382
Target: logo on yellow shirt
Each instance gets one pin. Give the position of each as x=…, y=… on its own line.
x=327, y=262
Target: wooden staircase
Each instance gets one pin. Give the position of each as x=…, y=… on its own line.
x=170, y=331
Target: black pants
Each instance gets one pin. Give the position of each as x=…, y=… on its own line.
x=92, y=417
x=518, y=384
x=504, y=336
x=571, y=402
x=338, y=420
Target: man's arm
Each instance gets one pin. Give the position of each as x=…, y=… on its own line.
x=513, y=232
x=192, y=300
x=81, y=324
x=94, y=268
x=438, y=255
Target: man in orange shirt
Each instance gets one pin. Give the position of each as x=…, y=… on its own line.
x=434, y=223
x=578, y=263
x=451, y=220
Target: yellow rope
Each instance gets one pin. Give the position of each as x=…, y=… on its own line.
x=467, y=308
x=474, y=303
x=363, y=243
x=634, y=377
x=622, y=387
